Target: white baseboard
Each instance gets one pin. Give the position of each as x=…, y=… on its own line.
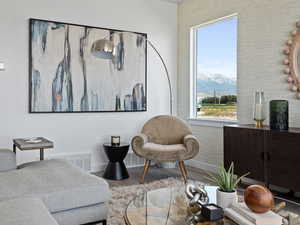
x=81, y=160
x=202, y=165
x=101, y=167
x=131, y=160
x=193, y=163
x=98, y=167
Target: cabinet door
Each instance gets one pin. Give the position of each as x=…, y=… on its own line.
x=245, y=147
x=284, y=159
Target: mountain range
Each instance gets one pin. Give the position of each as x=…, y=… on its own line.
x=207, y=83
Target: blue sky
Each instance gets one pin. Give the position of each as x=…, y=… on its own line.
x=217, y=48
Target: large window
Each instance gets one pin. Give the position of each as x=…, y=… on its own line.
x=214, y=69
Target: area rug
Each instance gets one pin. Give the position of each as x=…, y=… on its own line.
x=121, y=197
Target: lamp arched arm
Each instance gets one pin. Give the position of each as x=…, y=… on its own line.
x=167, y=73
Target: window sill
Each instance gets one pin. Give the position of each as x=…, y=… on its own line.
x=207, y=122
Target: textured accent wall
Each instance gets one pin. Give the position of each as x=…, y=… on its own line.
x=263, y=27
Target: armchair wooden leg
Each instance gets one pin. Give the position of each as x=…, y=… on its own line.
x=183, y=171
x=146, y=168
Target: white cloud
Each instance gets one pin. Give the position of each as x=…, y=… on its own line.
x=221, y=69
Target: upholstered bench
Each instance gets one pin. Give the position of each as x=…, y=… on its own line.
x=71, y=196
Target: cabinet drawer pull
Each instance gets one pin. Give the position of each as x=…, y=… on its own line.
x=262, y=155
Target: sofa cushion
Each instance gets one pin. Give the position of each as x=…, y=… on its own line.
x=25, y=211
x=60, y=185
x=8, y=160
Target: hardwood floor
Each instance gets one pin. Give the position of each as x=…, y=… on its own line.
x=162, y=173
x=156, y=174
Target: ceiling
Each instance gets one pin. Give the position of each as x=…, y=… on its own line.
x=174, y=1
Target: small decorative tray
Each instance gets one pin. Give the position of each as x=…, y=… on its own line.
x=33, y=140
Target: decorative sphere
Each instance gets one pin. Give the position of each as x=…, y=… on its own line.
x=294, y=88
x=289, y=42
x=258, y=198
x=294, y=32
x=287, y=70
x=290, y=79
x=286, y=62
x=286, y=51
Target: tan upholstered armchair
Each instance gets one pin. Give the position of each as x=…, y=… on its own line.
x=166, y=139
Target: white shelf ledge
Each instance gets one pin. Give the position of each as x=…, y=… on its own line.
x=210, y=122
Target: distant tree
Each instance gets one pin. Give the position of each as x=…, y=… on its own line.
x=210, y=100
x=228, y=99
x=232, y=98
x=224, y=99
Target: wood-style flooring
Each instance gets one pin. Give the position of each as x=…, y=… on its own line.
x=162, y=173
x=156, y=174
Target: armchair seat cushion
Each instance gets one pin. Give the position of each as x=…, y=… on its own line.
x=160, y=152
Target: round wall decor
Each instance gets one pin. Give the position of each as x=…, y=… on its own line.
x=292, y=60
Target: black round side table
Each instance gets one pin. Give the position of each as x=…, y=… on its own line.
x=116, y=169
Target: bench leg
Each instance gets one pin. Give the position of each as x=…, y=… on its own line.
x=41, y=154
x=15, y=148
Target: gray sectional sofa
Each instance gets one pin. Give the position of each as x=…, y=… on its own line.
x=51, y=192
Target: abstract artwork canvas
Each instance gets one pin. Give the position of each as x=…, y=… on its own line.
x=66, y=77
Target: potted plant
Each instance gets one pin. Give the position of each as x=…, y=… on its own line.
x=227, y=182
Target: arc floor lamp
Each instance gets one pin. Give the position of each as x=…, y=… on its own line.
x=105, y=49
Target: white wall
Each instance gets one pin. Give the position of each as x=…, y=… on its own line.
x=263, y=28
x=81, y=132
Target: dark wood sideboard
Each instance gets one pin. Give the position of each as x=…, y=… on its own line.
x=272, y=157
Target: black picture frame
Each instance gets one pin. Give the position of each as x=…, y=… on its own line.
x=87, y=26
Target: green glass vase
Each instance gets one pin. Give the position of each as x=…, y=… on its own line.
x=279, y=115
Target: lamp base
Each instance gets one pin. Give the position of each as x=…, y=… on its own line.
x=259, y=123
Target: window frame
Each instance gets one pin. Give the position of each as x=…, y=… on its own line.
x=214, y=121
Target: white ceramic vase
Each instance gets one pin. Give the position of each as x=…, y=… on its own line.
x=225, y=199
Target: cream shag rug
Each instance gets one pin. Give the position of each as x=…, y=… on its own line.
x=121, y=196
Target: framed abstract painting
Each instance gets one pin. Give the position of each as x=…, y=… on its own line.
x=65, y=77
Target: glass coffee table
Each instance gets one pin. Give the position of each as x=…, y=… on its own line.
x=168, y=206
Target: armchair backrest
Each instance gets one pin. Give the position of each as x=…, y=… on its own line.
x=166, y=130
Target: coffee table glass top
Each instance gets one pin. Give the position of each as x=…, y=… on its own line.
x=168, y=206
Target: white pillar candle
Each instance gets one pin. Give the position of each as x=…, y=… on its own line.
x=259, y=114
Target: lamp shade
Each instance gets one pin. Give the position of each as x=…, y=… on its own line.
x=2, y=67
x=103, y=49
